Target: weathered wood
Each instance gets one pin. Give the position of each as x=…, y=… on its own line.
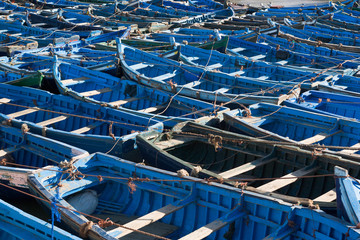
x=286, y=180
x=329, y=196
x=52, y=120
x=206, y=230
x=139, y=66
x=87, y=128
x=146, y=220
x=4, y=100
x=152, y=109
x=318, y=137
x=23, y=112
x=246, y=167
x=124, y=101
x=164, y=76
x=74, y=80
x=170, y=143
x=349, y=151
x=5, y=151
x=193, y=84
x=95, y=92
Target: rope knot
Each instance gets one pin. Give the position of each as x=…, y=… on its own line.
x=195, y=171
x=24, y=128
x=131, y=185
x=84, y=228
x=105, y=223
x=216, y=141
x=182, y=173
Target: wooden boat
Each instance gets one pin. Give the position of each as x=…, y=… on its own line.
x=207, y=4
x=64, y=46
x=288, y=124
x=328, y=40
x=72, y=121
x=300, y=37
x=336, y=57
x=34, y=80
x=203, y=84
x=84, y=57
x=104, y=89
x=151, y=45
x=176, y=5
x=17, y=224
x=205, y=31
x=23, y=151
x=191, y=209
x=234, y=158
x=41, y=36
x=327, y=103
x=244, y=67
x=53, y=23
x=347, y=191
x=11, y=44
x=60, y=4
x=271, y=52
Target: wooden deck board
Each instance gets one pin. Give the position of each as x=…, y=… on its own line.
x=87, y=128
x=205, y=231
x=22, y=113
x=52, y=120
x=329, y=196
x=95, y=92
x=145, y=220
x=318, y=137
x=284, y=181
x=5, y=151
x=246, y=167
x=74, y=80
x=158, y=228
x=152, y=109
x=124, y=101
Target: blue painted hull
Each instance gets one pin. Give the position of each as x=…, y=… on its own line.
x=232, y=212
x=73, y=129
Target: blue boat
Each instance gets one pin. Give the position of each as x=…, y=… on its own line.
x=244, y=67
x=16, y=224
x=277, y=54
x=327, y=103
x=200, y=83
x=320, y=54
x=286, y=124
x=347, y=196
x=233, y=157
x=129, y=96
x=71, y=121
x=22, y=152
x=206, y=4
x=177, y=207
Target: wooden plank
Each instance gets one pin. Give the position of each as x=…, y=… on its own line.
x=145, y=220
x=4, y=100
x=318, y=137
x=139, y=66
x=348, y=151
x=5, y=151
x=74, y=80
x=238, y=49
x=87, y=128
x=257, y=57
x=246, y=167
x=152, y=109
x=164, y=77
x=169, y=143
x=285, y=180
x=22, y=113
x=236, y=73
x=52, y=120
x=216, y=65
x=124, y=101
x=193, y=84
x=263, y=77
x=95, y=92
x=329, y=196
x=222, y=90
x=205, y=231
